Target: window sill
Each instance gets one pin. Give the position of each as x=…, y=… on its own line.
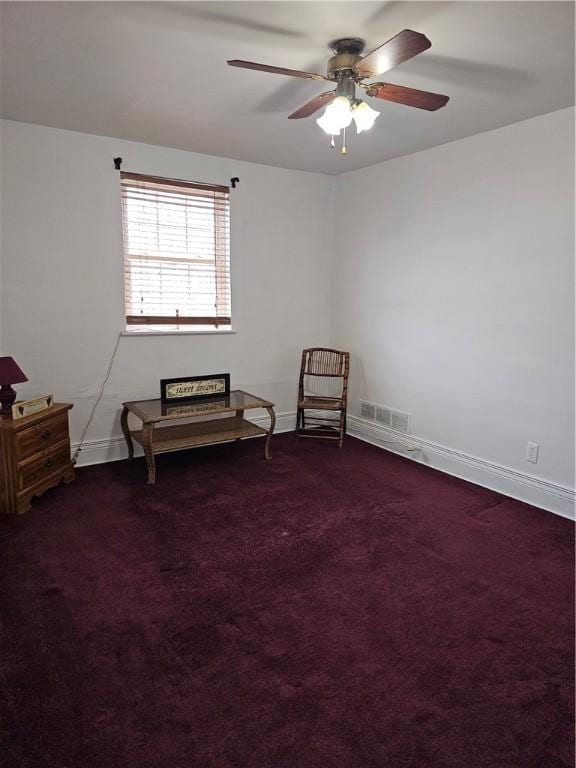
x=176, y=333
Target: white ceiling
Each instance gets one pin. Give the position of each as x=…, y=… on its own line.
x=157, y=73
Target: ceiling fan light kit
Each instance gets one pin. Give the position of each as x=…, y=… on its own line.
x=339, y=114
x=347, y=68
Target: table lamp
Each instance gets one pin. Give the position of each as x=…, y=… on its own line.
x=10, y=373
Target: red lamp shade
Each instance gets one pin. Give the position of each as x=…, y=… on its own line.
x=10, y=372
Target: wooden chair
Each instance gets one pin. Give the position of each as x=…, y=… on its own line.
x=323, y=386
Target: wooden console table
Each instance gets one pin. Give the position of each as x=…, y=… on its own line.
x=178, y=437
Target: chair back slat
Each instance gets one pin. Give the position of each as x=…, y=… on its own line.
x=320, y=361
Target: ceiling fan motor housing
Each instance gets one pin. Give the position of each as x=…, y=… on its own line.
x=347, y=52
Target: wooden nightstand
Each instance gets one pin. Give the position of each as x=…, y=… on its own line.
x=34, y=456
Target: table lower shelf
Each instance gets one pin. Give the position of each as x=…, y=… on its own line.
x=181, y=436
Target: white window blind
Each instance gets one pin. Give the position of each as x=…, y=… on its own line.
x=176, y=253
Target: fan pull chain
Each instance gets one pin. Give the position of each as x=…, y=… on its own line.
x=332, y=142
x=344, y=151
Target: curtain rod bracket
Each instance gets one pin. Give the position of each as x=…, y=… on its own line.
x=235, y=180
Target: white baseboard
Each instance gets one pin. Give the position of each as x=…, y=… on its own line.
x=533, y=490
x=114, y=448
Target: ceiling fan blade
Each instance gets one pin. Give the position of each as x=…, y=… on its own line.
x=313, y=105
x=275, y=70
x=411, y=97
x=399, y=48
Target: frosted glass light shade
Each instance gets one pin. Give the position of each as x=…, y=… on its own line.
x=364, y=116
x=337, y=115
x=328, y=125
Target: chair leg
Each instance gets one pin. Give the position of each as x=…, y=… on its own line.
x=342, y=427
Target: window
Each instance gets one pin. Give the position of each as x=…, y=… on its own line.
x=176, y=254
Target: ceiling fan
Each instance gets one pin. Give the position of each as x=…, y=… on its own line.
x=347, y=69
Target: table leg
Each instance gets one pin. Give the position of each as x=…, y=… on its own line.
x=126, y=432
x=270, y=431
x=240, y=415
x=148, y=445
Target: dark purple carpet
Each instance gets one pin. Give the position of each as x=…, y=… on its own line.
x=332, y=609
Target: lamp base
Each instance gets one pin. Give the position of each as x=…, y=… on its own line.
x=7, y=398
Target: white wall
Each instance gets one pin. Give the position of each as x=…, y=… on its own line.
x=453, y=290
x=62, y=273
x=451, y=274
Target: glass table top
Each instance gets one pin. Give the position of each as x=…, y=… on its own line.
x=156, y=410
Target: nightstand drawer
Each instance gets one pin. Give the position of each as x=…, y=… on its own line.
x=41, y=436
x=41, y=465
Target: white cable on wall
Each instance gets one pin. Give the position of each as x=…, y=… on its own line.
x=100, y=395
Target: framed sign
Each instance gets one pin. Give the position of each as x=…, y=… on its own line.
x=28, y=407
x=194, y=387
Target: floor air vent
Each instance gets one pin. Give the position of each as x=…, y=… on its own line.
x=400, y=421
x=367, y=410
x=384, y=416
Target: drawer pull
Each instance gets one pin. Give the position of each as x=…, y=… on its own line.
x=46, y=434
x=48, y=462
